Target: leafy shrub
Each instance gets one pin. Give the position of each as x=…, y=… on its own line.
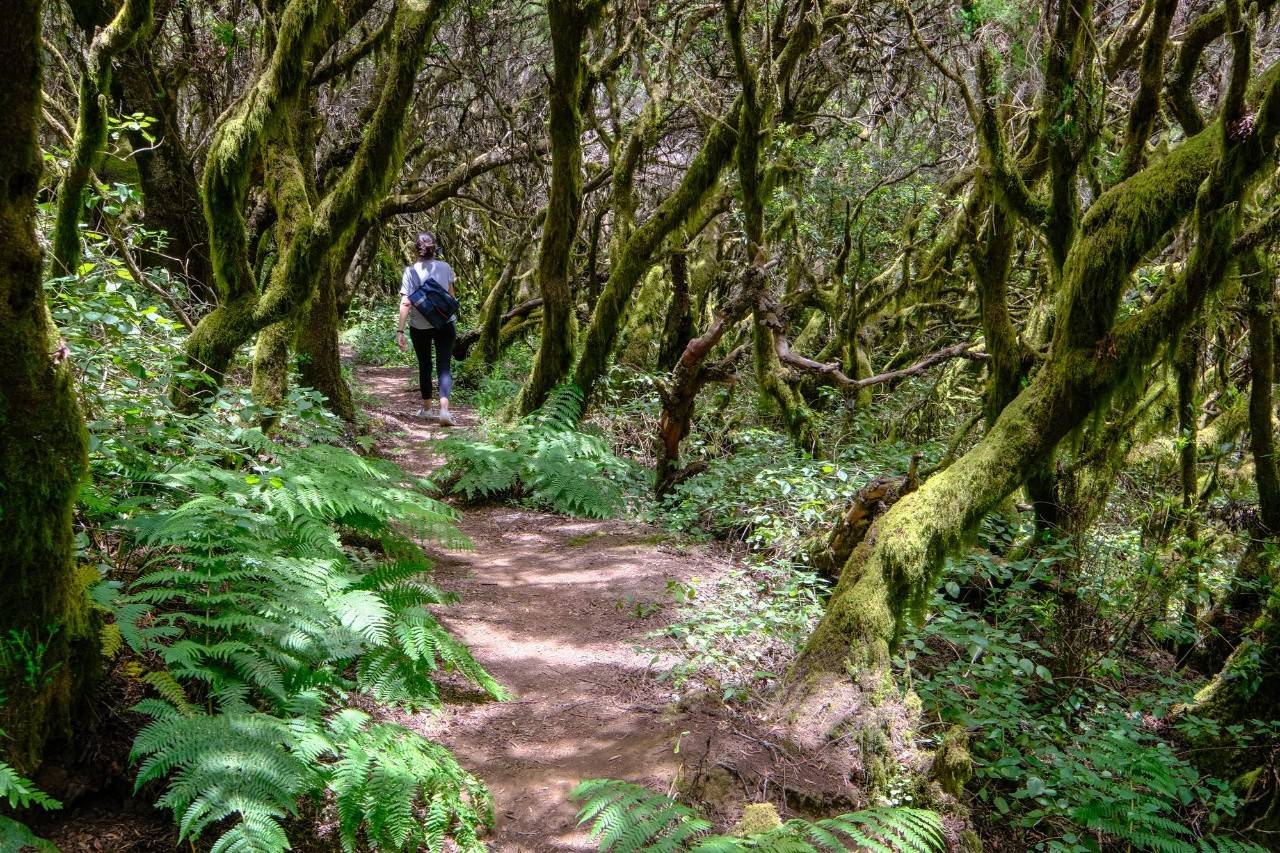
x=626, y=818
x=739, y=631
x=1075, y=768
x=770, y=495
x=371, y=334
x=543, y=459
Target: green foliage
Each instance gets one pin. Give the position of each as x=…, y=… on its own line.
x=392, y=788
x=21, y=793
x=1076, y=766
x=22, y=658
x=739, y=631
x=264, y=619
x=410, y=792
x=18, y=837
x=626, y=818
x=255, y=583
x=771, y=495
x=371, y=334
x=544, y=459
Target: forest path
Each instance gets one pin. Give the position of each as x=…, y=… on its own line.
x=548, y=607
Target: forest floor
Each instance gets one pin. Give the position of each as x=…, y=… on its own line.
x=553, y=608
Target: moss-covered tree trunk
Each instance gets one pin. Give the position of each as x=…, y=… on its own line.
x=289, y=170
x=890, y=576
x=320, y=362
x=990, y=260
x=42, y=441
x=91, y=128
x=1258, y=275
x=635, y=256
x=677, y=326
x=1247, y=689
x=570, y=22
x=489, y=344
x=1187, y=370
x=237, y=144
x=166, y=170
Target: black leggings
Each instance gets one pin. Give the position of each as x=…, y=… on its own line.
x=442, y=339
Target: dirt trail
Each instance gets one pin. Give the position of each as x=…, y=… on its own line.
x=548, y=608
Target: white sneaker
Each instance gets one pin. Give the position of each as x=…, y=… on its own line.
x=421, y=413
x=446, y=419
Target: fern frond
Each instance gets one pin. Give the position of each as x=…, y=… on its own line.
x=627, y=818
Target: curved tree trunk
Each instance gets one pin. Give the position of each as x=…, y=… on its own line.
x=42, y=440
x=635, y=257
x=1259, y=277
x=320, y=362
x=489, y=345
x=677, y=327
x=570, y=22
x=91, y=128
x=891, y=575
x=166, y=172
x=238, y=142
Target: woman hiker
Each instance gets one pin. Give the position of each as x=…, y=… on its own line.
x=424, y=335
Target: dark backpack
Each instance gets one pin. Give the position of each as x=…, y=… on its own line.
x=431, y=298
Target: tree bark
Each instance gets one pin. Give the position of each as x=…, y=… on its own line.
x=677, y=327
x=42, y=441
x=1259, y=281
x=570, y=21
x=91, y=128
x=320, y=361
x=170, y=190
x=635, y=256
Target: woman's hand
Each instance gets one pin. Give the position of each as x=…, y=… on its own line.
x=400, y=342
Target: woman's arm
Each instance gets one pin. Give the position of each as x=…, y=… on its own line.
x=405, y=304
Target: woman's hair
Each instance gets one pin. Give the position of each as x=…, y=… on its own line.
x=426, y=245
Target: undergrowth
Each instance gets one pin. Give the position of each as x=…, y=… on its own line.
x=543, y=460
x=264, y=589
x=1069, y=765
x=20, y=792
x=626, y=818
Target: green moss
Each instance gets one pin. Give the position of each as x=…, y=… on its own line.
x=952, y=763
x=878, y=766
x=91, y=128
x=636, y=255
x=570, y=23
x=757, y=818
x=44, y=440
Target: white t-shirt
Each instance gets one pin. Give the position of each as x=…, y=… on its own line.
x=440, y=271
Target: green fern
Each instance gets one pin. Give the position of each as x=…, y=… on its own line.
x=263, y=621
x=403, y=792
x=625, y=818
x=21, y=793
x=543, y=458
